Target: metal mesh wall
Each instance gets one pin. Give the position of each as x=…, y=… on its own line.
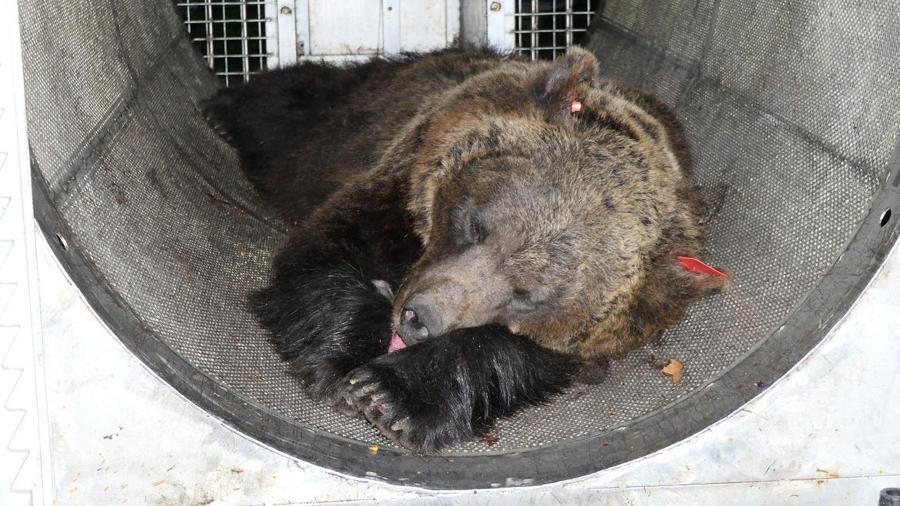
x=545, y=28
x=791, y=105
x=229, y=34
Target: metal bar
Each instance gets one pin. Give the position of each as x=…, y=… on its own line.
x=390, y=26
x=196, y=39
x=209, y=34
x=235, y=2
x=534, y=26
x=518, y=26
x=227, y=74
x=574, y=30
x=544, y=14
x=555, y=30
x=245, y=44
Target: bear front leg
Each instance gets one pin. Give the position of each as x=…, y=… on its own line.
x=453, y=388
x=328, y=306
x=325, y=320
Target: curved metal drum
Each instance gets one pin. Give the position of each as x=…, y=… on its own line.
x=792, y=108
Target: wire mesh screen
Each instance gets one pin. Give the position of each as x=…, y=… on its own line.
x=545, y=28
x=230, y=34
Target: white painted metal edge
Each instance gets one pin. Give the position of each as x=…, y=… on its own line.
x=303, y=30
x=452, y=21
x=283, y=41
x=25, y=470
x=501, y=24
x=390, y=27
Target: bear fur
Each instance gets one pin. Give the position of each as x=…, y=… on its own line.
x=454, y=208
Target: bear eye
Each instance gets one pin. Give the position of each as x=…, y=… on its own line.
x=522, y=300
x=475, y=230
x=468, y=227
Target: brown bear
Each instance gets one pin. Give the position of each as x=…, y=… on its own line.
x=470, y=232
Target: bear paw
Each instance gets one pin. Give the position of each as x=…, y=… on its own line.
x=377, y=394
x=366, y=390
x=322, y=382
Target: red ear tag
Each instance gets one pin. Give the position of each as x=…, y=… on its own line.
x=575, y=106
x=692, y=264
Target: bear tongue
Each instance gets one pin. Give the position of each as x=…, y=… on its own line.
x=396, y=343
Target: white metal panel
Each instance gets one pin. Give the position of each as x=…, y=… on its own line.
x=281, y=30
x=423, y=25
x=501, y=24
x=453, y=13
x=390, y=14
x=301, y=18
x=348, y=27
x=24, y=428
x=473, y=23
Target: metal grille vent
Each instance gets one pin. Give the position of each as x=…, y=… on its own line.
x=545, y=28
x=230, y=34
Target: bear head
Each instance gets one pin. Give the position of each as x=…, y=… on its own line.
x=542, y=197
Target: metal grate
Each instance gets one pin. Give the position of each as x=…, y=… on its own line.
x=230, y=34
x=544, y=29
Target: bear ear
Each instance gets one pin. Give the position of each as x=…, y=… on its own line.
x=568, y=75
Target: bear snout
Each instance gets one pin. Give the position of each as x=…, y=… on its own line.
x=419, y=320
x=442, y=307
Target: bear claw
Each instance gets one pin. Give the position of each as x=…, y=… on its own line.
x=369, y=397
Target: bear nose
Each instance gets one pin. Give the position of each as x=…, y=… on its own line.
x=419, y=320
x=408, y=317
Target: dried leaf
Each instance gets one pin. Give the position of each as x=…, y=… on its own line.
x=674, y=369
x=490, y=439
x=373, y=449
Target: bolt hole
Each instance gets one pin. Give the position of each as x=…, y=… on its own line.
x=885, y=217
x=62, y=242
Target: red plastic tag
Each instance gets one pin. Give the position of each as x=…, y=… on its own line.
x=575, y=106
x=692, y=264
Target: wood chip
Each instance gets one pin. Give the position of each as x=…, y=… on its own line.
x=674, y=369
x=828, y=472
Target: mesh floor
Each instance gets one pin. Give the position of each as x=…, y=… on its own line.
x=792, y=107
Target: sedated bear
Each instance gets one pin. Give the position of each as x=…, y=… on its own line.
x=470, y=233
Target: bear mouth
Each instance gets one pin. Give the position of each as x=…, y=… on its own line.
x=397, y=342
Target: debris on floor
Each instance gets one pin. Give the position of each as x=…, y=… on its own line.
x=490, y=439
x=674, y=369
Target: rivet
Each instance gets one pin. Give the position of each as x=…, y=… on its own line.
x=496, y=6
x=287, y=11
